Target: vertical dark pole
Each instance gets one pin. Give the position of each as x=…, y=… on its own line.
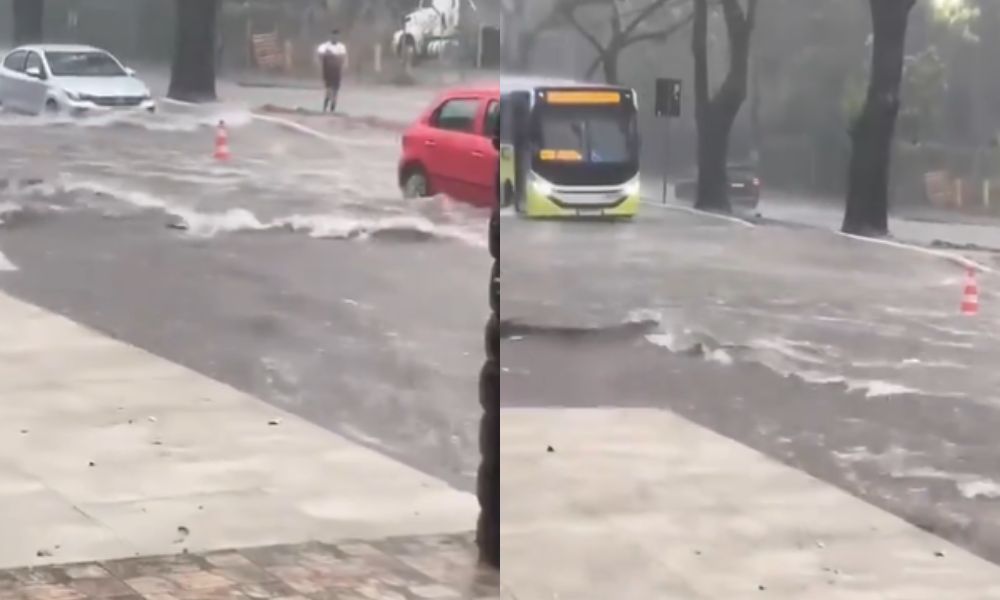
x=666, y=158
x=489, y=434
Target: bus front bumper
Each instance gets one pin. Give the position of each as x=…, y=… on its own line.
x=545, y=201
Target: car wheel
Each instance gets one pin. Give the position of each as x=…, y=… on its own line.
x=51, y=107
x=416, y=184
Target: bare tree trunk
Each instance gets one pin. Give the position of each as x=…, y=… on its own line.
x=29, y=16
x=867, y=210
x=193, y=75
x=716, y=115
x=610, y=61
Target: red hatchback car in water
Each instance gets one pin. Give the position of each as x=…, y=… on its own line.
x=449, y=149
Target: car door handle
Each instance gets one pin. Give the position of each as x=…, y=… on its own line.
x=477, y=154
x=430, y=143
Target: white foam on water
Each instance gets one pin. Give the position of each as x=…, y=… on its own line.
x=879, y=389
x=719, y=356
x=9, y=208
x=970, y=486
x=810, y=362
x=964, y=333
x=979, y=488
x=947, y=344
x=644, y=315
x=797, y=351
x=332, y=226
x=207, y=225
x=918, y=313
x=6, y=266
x=819, y=378
x=908, y=363
x=321, y=226
x=663, y=340
x=160, y=122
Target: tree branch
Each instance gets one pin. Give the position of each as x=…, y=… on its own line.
x=616, y=19
x=570, y=15
x=661, y=35
x=739, y=27
x=699, y=45
x=752, y=14
x=647, y=12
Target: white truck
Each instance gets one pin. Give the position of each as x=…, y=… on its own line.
x=435, y=29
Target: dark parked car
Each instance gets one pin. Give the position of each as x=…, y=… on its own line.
x=744, y=187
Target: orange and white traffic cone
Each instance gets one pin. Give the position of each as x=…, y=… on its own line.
x=222, y=142
x=970, y=297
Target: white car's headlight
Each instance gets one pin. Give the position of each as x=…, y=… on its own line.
x=542, y=187
x=72, y=95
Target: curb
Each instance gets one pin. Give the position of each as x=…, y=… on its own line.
x=694, y=211
x=255, y=114
x=953, y=257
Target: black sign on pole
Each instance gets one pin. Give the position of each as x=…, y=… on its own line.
x=668, y=97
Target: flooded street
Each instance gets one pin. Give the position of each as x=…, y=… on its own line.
x=294, y=271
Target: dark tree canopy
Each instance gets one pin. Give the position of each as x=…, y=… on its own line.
x=192, y=77
x=28, y=19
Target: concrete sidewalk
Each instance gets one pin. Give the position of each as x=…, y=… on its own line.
x=108, y=452
x=641, y=504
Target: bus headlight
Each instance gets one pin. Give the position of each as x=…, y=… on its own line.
x=542, y=187
x=632, y=188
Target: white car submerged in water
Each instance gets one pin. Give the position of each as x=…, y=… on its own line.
x=74, y=80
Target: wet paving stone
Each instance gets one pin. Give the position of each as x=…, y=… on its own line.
x=417, y=568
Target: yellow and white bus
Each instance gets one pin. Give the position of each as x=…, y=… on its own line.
x=569, y=149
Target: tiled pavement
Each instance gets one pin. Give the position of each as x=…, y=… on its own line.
x=416, y=568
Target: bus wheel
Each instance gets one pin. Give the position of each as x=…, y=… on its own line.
x=415, y=184
x=507, y=198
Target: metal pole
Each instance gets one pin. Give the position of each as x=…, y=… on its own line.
x=666, y=157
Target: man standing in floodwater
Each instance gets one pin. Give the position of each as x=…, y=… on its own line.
x=333, y=61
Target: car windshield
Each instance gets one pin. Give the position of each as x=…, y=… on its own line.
x=83, y=64
x=597, y=135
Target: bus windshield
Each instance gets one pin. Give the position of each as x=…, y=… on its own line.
x=589, y=134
